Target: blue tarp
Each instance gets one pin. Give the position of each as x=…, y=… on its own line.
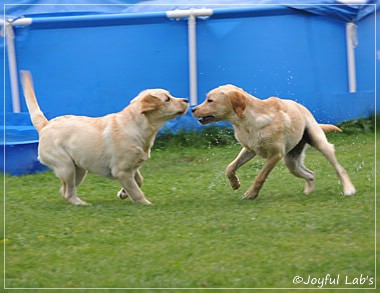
x=34, y=8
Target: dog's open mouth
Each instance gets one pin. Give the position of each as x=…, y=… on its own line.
x=206, y=119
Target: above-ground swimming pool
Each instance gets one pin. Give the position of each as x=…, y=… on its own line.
x=19, y=141
x=94, y=65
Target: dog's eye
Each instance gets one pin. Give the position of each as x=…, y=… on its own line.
x=210, y=101
x=167, y=99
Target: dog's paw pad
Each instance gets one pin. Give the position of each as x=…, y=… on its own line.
x=234, y=182
x=122, y=194
x=235, y=186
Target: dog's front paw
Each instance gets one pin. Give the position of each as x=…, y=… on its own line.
x=78, y=202
x=249, y=195
x=349, y=191
x=142, y=201
x=122, y=194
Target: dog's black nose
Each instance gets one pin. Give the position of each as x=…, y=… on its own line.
x=193, y=110
x=186, y=100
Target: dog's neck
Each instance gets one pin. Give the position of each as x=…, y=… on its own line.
x=148, y=126
x=255, y=116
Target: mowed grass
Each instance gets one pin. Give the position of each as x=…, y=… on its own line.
x=198, y=233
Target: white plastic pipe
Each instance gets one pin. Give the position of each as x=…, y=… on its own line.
x=9, y=34
x=25, y=21
x=12, y=63
x=197, y=12
x=191, y=14
x=351, y=43
x=193, y=61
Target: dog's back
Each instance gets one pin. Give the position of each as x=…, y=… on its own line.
x=309, y=117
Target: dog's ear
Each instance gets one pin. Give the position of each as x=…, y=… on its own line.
x=150, y=102
x=238, y=102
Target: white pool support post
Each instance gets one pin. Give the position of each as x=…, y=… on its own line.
x=351, y=43
x=191, y=14
x=193, y=60
x=12, y=62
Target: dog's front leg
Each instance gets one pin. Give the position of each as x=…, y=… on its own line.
x=128, y=181
x=243, y=157
x=270, y=163
x=123, y=194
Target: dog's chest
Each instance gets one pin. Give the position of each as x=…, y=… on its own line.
x=255, y=141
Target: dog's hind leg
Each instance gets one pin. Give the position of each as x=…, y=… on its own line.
x=243, y=157
x=294, y=160
x=319, y=141
x=68, y=175
x=80, y=175
x=139, y=179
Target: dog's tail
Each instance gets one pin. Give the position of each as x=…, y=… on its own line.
x=330, y=128
x=38, y=118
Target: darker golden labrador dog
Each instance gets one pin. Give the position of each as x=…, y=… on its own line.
x=274, y=129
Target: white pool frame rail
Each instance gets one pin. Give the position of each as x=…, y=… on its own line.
x=13, y=75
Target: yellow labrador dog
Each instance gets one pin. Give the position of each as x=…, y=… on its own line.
x=273, y=129
x=113, y=146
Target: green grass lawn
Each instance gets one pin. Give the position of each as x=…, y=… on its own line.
x=198, y=233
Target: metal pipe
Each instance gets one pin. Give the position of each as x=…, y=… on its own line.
x=351, y=43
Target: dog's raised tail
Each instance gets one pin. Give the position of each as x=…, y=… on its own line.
x=330, y=128
x=38, y=118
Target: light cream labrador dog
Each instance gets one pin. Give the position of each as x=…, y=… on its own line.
x=273, y=129
x=113, y=146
